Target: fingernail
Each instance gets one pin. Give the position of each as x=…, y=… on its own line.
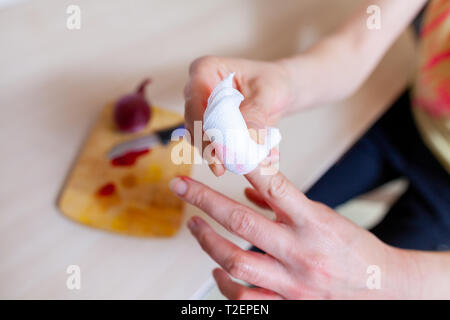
x=178, y=186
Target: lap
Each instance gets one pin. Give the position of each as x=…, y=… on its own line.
x=393, y=148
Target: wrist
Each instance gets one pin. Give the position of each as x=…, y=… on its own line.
x=404, y=274
x=411, y=274
x=430, y=276
x=303, y=91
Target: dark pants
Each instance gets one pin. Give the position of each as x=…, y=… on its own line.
x=393, y=148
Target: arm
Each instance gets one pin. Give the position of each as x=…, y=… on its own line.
x=338, y=65
x=331, y=70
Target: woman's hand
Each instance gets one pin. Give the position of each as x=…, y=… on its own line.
x=266, y=87
x=312, y=252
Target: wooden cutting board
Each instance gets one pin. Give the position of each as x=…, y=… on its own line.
x=125, y=197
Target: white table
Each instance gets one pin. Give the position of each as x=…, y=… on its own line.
x=53, y=83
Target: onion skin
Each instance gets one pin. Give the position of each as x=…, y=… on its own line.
x=132, y=112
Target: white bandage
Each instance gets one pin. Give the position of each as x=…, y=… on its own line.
x=225, y=126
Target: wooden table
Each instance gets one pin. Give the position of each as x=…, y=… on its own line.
x=54, y=82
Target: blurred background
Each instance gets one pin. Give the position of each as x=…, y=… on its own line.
x=55, y=81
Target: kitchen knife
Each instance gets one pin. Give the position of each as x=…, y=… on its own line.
x=145, y=142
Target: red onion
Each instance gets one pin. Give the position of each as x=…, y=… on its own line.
x=132, y=112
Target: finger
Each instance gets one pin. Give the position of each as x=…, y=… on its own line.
x=290, y=205
x=235, y=217
x=255, y=110
x=236, y=291
x=252, y=267
x=255, y=124
x=213, y=161
x=194, y=112
x=254, y=196
x=273, y=157
x=196, y=95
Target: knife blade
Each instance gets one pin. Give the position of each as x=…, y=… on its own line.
x=145, y=142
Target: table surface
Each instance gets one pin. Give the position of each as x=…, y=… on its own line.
x=55, y=81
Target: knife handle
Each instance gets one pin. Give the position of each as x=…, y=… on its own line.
x=166, y=134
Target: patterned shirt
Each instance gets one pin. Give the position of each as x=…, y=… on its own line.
x=431, y=94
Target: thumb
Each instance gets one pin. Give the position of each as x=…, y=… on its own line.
x=255, y=114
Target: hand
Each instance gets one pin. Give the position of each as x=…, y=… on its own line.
x=265, y=85
x=312, y=252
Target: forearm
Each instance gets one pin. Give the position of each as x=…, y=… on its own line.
x=336, y=67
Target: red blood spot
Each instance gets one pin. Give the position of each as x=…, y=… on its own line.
x=107, y=190
x=128, y=159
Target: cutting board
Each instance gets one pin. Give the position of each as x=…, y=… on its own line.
x=130, y=197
